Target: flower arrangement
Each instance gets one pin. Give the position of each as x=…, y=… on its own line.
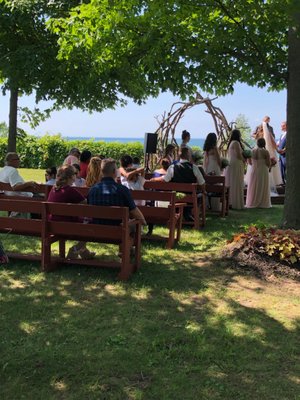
x=197, y=156
x=224, y=163
x=273, y=162
x=247, y=153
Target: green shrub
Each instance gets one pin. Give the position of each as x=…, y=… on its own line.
x=48, y=151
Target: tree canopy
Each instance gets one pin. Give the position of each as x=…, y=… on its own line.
x=143, y=47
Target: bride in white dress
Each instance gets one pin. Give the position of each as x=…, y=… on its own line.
x=275, y=175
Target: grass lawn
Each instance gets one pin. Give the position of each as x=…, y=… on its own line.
x=188, y=325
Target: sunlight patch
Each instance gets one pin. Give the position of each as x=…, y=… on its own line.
x=59, y=385
x=192, y=327
x=73, y=303
x=115, y=290
x=27, y=327
x=17, y=284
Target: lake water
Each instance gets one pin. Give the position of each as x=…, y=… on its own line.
x=193, y=142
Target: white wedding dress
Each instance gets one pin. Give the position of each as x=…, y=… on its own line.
x=275, y=175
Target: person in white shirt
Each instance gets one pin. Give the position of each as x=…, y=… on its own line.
x=9, y=174
x=186, y=137
x=184, y=172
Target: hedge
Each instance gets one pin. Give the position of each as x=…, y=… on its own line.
x=48, y=151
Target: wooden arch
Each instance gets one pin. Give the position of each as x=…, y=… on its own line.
x=170, y=120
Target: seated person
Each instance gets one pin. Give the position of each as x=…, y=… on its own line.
x=110, y=193
x=85, y=157
x=136, y=162
x=165, y=163
x=50, y=175
x=93, y=175
x=73, y=157
x=135, y=182
x=64, y=192
x=127, y=162
x=184, y=172
x=9, y=174
x=79, y=182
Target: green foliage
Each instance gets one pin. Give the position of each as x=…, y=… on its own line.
x=48, y=151
x=283, y=245
x=241, y=123
x=3, y=129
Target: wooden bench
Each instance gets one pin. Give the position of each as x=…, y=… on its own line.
x=22, y=225
x=125, y=234
x=216, y=188
x=191, y=198
x=169, y=214
x=43, y=192
x=53, y=231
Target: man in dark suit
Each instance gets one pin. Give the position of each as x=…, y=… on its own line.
x=281, y=145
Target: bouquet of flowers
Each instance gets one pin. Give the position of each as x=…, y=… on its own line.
x=247, y=153
x=224, y=163
x=273, y=162
x=197, y=156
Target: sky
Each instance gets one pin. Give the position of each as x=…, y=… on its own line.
x=134, y=120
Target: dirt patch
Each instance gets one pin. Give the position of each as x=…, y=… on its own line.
x=260, y=265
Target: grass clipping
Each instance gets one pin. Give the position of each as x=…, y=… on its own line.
x=268, y=252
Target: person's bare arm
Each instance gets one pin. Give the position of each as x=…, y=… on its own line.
x=29, y=186
x=137, y=214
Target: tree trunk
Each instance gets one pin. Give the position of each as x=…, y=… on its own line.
x=291, y=218
x=13, y=116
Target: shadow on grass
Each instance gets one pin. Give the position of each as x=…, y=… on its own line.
x=170, y=333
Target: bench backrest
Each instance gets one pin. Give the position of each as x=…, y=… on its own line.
x=21, y=224
x=86, y=231
x=190, y=189
x=214, y=183
x=42, y=189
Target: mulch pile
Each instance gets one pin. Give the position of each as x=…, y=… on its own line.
x=261, y=265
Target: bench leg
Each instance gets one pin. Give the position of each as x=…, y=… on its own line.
x=137, y=244
x=47, y=265
x=62, y=249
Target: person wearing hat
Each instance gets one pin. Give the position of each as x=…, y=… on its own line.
x=73, y=157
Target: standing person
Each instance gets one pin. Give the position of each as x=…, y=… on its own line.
x=212, y=159
x=186, y=137
x=275, y=176
x=212, y=164
x=64, y=192
x=258, y=190
x=9, y=174
x=93, y=175
x=73, y=157
x=85, y=157
x=234, y=174
x=281, y=150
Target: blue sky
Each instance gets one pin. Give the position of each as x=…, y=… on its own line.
x=134, y=120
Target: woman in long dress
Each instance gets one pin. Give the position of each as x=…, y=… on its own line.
x=234, y=174
x=212, y=159
x=275, y=174
x=212, y=164
x=258, y=191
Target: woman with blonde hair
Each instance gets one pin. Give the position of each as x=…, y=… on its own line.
x=64, y=192
x=93, y=175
